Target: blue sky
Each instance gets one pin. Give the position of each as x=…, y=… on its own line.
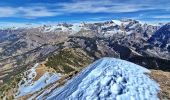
x=53, y=11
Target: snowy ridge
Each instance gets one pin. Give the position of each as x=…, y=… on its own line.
x=109, y=79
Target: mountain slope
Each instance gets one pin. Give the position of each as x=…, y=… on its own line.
x=163, y=33
x=161, y=38
x=109, y=78
x=160, y=42
x=131, y=40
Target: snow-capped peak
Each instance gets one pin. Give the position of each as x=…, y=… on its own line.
x=109, y=79
x=118, y=22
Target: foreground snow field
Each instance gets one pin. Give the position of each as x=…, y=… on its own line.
x=109, y=79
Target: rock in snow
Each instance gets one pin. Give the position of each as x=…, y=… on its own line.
x=109, y=79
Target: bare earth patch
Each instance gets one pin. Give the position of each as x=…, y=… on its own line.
x=41, y=70
x=163, y=78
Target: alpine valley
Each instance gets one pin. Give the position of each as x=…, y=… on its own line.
x=112, y=60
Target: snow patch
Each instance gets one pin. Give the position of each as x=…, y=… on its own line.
x=76, y=27
x=118, y=22
x=55, y=28
x=27, y=85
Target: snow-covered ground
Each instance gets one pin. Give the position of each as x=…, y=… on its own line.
x=109, y=79
x=27, y=85
x=118, y=22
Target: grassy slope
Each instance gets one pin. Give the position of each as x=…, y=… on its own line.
x=69, y=60
x=163, y=78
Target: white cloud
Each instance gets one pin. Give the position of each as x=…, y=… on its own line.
x=161, y=16
x=80, y=6
x=7, y=11
x=36, y=12
x=15, y=24
x=27, y=12
x=97, y=7
x=107, y=6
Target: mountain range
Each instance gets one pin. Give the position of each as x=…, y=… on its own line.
x=60, y=53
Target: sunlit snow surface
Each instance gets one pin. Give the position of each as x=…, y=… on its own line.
x=109, y=79
x=118, y=22
x=30, y=86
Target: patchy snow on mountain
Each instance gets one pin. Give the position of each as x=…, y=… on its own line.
x=28, y=85
x=55, y=28
x=129, y=32
x=109, y=79
x=76, y=27
x=118, y=22
x=133, y=26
